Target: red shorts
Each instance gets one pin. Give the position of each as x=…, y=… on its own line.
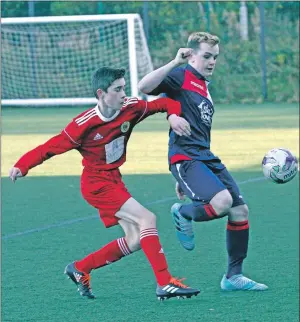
x=105, y=191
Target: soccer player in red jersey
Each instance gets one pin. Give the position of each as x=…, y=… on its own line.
x=100, y=135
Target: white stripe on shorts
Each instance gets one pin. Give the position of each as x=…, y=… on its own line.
x=178, y=169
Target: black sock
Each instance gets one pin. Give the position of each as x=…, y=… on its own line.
x=237, y=237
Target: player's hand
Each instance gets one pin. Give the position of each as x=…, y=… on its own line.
x=179, y=125
x=182, y=55
x=179, y=192
x=15, y=173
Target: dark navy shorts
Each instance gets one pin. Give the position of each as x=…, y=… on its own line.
x=202, y=180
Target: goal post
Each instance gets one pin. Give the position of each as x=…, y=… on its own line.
x=51, y=60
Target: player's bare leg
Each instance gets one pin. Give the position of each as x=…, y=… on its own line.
x=168, y=286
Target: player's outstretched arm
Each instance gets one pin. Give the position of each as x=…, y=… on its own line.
x=15, y=173
x=56, y=145
x=149, y=82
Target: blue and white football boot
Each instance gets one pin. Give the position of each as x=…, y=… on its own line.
x=241, y=283
x=184, y=228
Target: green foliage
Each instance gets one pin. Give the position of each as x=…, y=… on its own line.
x=238, y=75
x=73, y=8
x=14, y=9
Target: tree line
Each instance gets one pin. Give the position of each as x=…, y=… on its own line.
x=238, y=74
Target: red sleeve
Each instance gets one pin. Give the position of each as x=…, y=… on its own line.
x=76, y=130
x=161, y=105
x=56, y=145
x=70, y=138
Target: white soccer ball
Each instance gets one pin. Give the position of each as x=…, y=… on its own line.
x=280, y=165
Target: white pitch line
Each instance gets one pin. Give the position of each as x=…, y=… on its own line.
x=73, y=221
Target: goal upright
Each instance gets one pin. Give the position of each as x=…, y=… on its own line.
x=51, y=60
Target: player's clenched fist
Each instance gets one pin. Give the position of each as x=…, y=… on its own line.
x=15, y=173
x=179, y=125
x=182, y=55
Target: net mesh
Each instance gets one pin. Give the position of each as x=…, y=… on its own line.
x=57, y=60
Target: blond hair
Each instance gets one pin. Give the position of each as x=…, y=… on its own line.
x=196, y=38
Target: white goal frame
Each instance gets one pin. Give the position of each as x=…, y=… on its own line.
x=130, y=18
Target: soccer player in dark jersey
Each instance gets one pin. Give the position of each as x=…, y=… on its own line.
x=100, y=135
x=199, y=173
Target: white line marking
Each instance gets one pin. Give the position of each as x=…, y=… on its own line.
x=73, y=221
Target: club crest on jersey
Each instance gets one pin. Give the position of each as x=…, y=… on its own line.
x=206, y=113
x=125, y=127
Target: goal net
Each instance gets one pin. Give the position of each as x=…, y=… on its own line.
x=51, y=60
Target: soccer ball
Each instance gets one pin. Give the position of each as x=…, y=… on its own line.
x=280, y=165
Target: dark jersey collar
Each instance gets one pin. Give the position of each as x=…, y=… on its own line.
x=197, y=74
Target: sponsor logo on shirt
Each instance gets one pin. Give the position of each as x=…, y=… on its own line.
x=115, y=149
x=198, y=85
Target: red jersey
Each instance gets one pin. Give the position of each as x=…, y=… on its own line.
x=101, y=141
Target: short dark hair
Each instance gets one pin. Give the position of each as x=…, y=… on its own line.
x=104, y=77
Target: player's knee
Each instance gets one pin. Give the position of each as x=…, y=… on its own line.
x=245, y=212
x=222, y=202
x=239, y=213
x=147, y=220
x=133, y=241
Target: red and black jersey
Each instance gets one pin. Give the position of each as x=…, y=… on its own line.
x=190, y=88
x=101, y=141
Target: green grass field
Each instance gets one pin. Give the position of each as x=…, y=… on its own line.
x=46, y=224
